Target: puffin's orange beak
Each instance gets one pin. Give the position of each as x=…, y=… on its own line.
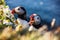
x=13, y=11
x=31, y=20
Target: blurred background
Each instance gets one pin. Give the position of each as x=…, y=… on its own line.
x=47, y=9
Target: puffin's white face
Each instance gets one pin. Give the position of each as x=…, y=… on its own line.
x=19, y=10
x=37, y=20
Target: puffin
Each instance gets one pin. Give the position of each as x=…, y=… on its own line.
x=21, y=18
x=37, y=23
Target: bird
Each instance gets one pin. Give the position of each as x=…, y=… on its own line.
x=21, y=17
x=35, y=22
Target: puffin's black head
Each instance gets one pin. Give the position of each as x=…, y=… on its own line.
x=23, y=15
x=36, y=18
x=20, y=11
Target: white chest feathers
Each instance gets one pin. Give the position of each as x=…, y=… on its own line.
x=24, y=23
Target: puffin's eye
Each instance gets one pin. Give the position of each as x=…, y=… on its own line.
x=18, y=8
x=37, y=17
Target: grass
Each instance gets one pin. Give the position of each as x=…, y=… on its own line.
x=10, y=34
